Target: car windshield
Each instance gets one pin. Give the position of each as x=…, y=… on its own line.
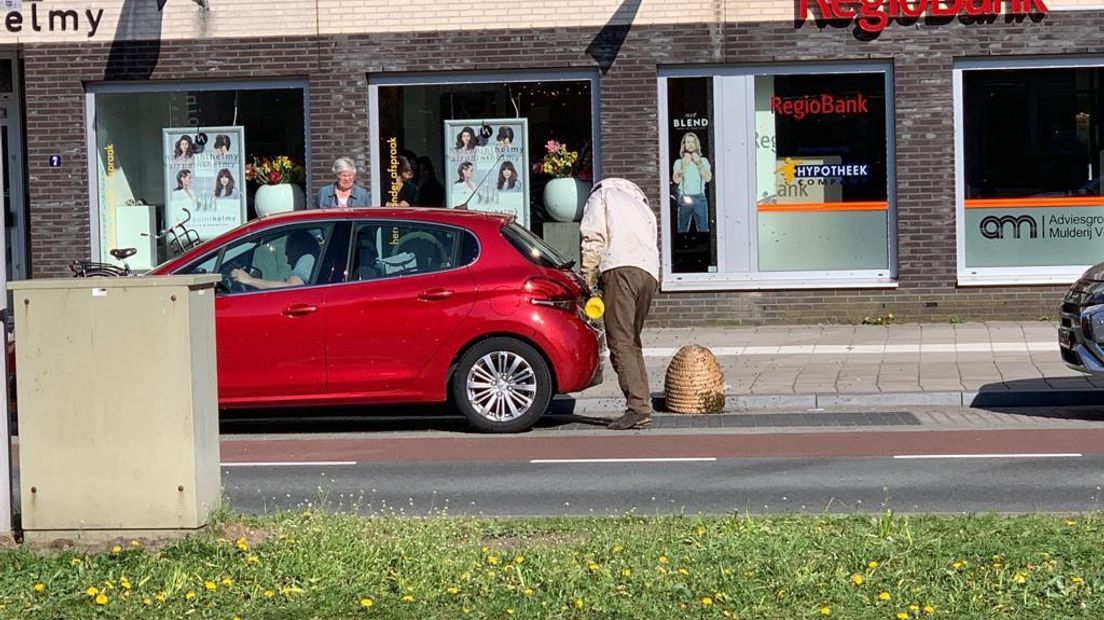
x=533, y=247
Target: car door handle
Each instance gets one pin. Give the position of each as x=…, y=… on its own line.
x=435, y=294
x=299, y=310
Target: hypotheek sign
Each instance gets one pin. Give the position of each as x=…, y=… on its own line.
x=874, y=15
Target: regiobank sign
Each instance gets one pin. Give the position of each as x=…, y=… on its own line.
x=873, y=16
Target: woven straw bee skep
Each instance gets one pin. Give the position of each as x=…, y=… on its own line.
x=695, y=383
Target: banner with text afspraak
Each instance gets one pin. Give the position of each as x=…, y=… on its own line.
x=486, y=166
x=205, y=174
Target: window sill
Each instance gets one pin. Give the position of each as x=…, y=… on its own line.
x=1024, y=280
x=670, y=286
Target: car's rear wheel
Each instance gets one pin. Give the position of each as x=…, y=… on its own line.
x=502, y=385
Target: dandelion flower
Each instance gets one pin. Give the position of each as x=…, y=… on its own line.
x=190, y=595
x=884, y=596
x=872, y=564
x=958, y=565
x=902, y=615
x=706, y=601
x=92, y=591
x=914, y=608
x=226, y=581
x=39, y=587
x=101, y=599
x=161, y=597
x=1078, y=580
x=618, y=549
x=857, y=579
x=117, y=549
x=492, y=559
x=242, y=544
x=509, y=612
x=625, y=572
x=1071, y=523
x=147, y=602
x=75, y=561
x=125, y=583
x=409, y=598
x=593, y=567
x=519, y=559
x=253, y=559
x=528, y=592
x=663, y=559
x=452, y=590
x=826, y=611
x=928, y=609
x=135, y=544
x=1019, y=578
x=683, y=571
x=578, y=603
x=270, y=594
x=366, y=602
x=210, y=586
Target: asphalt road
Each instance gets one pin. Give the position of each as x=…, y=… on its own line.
x=1005, y=471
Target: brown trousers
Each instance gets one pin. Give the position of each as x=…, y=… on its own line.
x=628, y=292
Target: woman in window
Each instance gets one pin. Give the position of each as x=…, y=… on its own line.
x=691, y=172
x=224, y=185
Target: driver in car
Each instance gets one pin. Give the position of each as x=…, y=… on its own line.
x=301, y=251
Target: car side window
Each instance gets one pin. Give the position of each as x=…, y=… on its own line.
x=281, y=258
x=392, y=249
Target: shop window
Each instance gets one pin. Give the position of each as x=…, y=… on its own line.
x=778, y=179
x=384, y=250
x=479, y=144
x=1032, y=149
x=161, y=155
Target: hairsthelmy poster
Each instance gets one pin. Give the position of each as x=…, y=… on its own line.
x=487, y=166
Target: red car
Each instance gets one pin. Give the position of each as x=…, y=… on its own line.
x=387, y=306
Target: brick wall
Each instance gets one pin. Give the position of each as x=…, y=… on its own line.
x=338, y=68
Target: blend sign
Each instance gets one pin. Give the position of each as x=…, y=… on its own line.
x=874, y=15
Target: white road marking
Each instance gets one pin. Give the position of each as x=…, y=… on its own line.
x=1070, y=455
x=869, y=349
x=291, y=464
x=707, y=459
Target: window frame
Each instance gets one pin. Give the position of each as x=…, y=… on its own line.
x=100, y=88
x=378, y=80
x=727, y=126
x=1002, y=276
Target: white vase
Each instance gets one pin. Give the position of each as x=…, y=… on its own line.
x=565, y=198
x=278, y=198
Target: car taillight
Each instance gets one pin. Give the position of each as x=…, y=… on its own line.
x=547, y=292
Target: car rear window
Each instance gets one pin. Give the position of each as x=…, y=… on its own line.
x=533, y=247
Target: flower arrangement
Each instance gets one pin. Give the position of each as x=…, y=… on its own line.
x=558, y=161
x=275, y=170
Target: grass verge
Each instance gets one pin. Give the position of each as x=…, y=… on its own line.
x=322, y=565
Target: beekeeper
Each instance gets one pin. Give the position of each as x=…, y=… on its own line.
x=620, y=258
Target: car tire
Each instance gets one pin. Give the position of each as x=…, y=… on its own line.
x=495, y=379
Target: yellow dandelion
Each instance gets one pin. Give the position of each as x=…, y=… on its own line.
x=726, y=613
x=593, y=567
x=190, y=595
x=884, y=596
x=253, y=559
x=928, y=609
x=236, y=618
x=683, y=571
x=509, y=612
x=618, y=549
x=914, y=608
x=147, y=602
x=161, y=597
x=92, y=591
x=493, y=559
x=1071, y=523
x=1019, y=578
x=75, y=561
x=826, y=611
x=39, y=587
x=366, y=602
x=117, y=549
x=872, y=564
x=958, y=565
x=409, y=598
x=101, y=599
x=857, y=579
x=125, y=583
x=706, y=601
x=135, y=544
x=701, y=531
x=1077, y=580
x=902, y=615
x=519, y=559
x=626, y=572
x=663, y=559
x=242, y=544
x=452, y=590
x=226, y=581
x=578, y=603
x=528, y=592
x=210, y=586
x=269, y=594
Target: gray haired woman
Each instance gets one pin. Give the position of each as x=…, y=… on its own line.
x=344, y=191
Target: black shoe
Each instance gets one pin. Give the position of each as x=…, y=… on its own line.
x=631, y=420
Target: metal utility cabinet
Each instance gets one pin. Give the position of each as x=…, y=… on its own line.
x=118, y=409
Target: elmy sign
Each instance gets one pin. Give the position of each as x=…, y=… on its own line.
x=873, y=16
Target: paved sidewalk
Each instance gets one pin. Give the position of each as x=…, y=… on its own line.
x=998, y=364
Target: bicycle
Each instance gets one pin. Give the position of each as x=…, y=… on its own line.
x=179, y=237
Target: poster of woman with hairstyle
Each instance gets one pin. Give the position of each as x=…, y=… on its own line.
x=489, y=158
x=204, y=169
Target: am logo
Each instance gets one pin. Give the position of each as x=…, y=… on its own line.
x=993, y=227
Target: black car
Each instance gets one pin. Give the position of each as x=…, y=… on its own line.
x=1081, y=323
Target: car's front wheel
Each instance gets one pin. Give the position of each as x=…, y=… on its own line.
x=502, y=385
